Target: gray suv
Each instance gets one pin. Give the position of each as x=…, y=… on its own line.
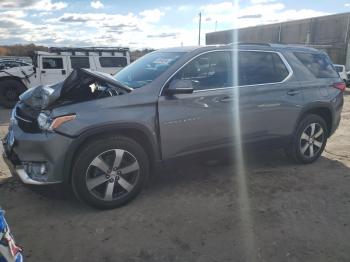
x=103, y=134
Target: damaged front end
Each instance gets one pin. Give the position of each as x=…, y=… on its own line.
x=34, y=148
x=33, y=110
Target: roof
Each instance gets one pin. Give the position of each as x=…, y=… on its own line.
x=184, y=49
x=255, y=46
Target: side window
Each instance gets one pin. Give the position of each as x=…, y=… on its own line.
x=208, y=71
x=318, y=64
x=113, y=61
x=257, y=67
x=52, y=63
x=79, y=62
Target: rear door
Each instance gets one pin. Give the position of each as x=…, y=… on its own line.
x=203, y=119
x=270, y=96
x=53, y=69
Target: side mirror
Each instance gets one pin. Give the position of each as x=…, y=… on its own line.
x=179, y=86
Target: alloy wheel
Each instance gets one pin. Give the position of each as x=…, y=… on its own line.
x=312, y=140
x=112, y=174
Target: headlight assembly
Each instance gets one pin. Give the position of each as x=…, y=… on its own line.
x=46, y=123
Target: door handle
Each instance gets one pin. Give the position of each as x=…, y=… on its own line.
x=293, y=92
x=63, y=72
x=227, y=99
x=43, y=71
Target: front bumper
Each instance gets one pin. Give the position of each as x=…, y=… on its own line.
x=48, y=148
x=20, y=172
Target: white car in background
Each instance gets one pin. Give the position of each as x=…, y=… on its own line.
x=54, y=66
x=342, y=72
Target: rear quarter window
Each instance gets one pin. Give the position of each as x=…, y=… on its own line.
x=318, y=64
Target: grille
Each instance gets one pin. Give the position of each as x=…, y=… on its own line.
x=26, y=118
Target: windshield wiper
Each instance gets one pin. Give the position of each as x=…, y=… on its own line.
x=124, y=86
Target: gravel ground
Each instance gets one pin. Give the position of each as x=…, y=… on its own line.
x=199, y=211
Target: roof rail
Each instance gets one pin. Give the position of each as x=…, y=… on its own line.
x=89, y=49
x=247, y=43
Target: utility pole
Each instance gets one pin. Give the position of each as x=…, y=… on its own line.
x=199, y=31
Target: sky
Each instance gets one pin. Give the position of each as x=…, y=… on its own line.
x=144, y=24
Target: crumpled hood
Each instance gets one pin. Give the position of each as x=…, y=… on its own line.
x=41, y=97
x=86, y=74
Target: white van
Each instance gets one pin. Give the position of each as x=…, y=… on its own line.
x=55, y=65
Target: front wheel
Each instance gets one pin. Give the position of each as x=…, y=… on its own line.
x=309, y=140
x=110, y=172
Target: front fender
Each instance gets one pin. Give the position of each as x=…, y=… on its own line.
x=119, y=128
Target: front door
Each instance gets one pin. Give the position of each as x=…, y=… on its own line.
x=53, y=69
x=203, y=119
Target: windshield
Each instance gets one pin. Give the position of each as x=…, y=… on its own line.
x=147, y=68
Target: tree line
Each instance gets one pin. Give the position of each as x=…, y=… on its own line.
x=21, y=50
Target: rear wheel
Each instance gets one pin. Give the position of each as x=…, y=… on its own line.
x=110, y=172
x=309, y=140
x=10, y=90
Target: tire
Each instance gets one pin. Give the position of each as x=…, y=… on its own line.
x=10, y=90
x=126, y=169
x=307, y=145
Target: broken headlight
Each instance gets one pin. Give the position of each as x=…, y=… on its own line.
x=44, y=121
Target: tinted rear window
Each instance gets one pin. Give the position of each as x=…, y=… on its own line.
x=318, y=64
x=260, y=68
x=80, y=62
x=113, y=61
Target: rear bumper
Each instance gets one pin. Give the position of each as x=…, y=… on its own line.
x=337, y=103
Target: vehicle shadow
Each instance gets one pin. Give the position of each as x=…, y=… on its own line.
x=225, y=168
x=203, y=176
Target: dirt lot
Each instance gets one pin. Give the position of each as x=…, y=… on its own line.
x=199, y=212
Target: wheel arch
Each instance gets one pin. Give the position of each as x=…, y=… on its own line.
x=134, y=131
x=3, y=78
x=321, y=109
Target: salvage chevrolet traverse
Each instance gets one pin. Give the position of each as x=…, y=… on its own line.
x=102, y=134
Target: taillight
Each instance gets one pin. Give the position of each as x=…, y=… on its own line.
x=341, y=86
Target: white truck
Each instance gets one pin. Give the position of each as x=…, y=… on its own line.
x=55, y=65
